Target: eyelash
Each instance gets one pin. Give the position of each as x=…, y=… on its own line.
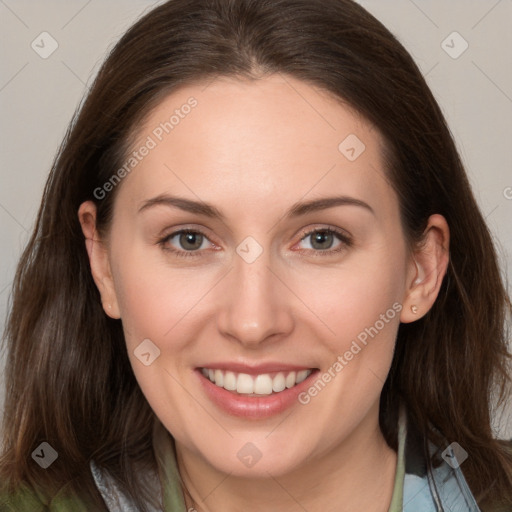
x=341, y=235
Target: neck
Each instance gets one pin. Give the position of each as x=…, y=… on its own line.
x=357, y=474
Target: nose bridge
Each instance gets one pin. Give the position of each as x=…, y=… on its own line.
x=253, y=308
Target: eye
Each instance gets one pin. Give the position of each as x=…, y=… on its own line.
x=190, y=243
x=323, y=240
x=185, y=242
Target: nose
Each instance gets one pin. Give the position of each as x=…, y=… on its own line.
x=254, y=306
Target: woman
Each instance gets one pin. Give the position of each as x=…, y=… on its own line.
x=259, y=280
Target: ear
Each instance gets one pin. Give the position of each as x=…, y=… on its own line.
x=428, y=266
x=99, y=259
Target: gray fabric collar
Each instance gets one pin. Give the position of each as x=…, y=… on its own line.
x=114, y=498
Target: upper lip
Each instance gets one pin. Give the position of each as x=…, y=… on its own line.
x=255, y=369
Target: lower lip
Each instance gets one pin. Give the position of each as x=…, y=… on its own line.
x=251, y=406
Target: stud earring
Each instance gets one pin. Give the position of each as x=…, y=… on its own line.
x=414, y=309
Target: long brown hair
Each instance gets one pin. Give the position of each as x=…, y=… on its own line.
x=69, y=381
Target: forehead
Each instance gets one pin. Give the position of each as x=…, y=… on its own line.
x=241, y=142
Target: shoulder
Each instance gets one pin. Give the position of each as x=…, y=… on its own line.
x=28, y=499
x=22, y=499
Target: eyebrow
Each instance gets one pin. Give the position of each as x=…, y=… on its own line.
x=208, y=210
x=188, y=205
x=324, y=203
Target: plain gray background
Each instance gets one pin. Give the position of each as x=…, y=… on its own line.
x=38, y=97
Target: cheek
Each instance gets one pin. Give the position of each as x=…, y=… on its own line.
x=359, y=304
x=160, y=302
x=364, y=291
x=360, y=309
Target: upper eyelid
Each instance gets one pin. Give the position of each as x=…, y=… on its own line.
x=337, y=231
x=172, y=234
x=165, y=234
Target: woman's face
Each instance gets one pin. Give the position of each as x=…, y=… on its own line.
x=260, y=293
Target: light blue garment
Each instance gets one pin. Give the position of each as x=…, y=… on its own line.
x=439, y=486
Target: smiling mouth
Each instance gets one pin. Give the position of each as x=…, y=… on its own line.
x=255, y=385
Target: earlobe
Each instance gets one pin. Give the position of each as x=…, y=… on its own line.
x=98, y=259
x=428, y=266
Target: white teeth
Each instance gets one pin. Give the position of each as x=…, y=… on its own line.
x=278, y=383
x=229, y=381
x=290, y=380
x=262, y=384
x=219, y=378
x=301, y=376
x=244, y=383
